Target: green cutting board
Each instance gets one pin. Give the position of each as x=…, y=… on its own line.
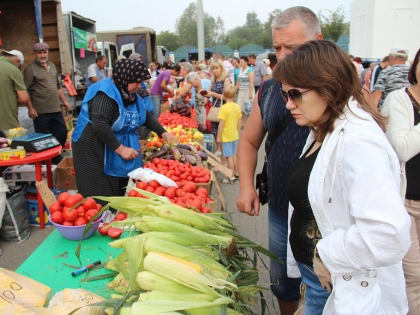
x=46, y=263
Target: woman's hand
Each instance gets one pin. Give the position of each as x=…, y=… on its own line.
x=127, y=153
x=169, y=138
x=322, y=273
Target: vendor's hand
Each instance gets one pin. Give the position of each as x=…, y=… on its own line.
x=169, y=138
x=322, y=273
x=127, y=153
x=32, y=113
x=67, y=105
x=248, y=201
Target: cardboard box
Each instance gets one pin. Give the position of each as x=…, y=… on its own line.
x=24, y=173
x=65, y=177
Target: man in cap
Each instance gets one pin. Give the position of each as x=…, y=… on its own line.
x=393, y=78
x=44, y=87
x=12, y=89
x=96, y=70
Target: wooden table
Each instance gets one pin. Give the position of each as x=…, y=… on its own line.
x=37, y=158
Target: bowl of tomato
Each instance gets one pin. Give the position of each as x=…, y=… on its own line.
x=71, y=213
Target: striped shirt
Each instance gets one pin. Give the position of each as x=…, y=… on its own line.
x=243, y=78
x=391, y=79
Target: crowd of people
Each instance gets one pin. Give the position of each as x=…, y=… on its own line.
x=341, y=175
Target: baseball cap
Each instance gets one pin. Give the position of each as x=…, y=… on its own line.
x=16, y=53
x=398, y=50
x=41, y=46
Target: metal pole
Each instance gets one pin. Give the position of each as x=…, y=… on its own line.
x=200, y=30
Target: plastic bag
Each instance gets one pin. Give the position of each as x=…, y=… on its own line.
x=66, y=301
x=147, y=175
x=20, y=293
x=247, y=107
x=16, y=225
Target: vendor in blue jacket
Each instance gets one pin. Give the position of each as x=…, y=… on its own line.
x=104, y=142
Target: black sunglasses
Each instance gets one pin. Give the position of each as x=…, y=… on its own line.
x=294, y=94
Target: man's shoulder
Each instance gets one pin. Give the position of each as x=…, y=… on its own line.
x=30, y=67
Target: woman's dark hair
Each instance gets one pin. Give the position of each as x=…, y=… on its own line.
x=322, y=66
x=245, y=58
x=412, y=73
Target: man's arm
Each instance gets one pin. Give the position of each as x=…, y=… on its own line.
x=164, y=86
x=63, y=98
x=375, y=98
x=22, y=97
x=249, y=143
x=94, y=79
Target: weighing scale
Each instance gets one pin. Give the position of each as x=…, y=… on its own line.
x=35, y=142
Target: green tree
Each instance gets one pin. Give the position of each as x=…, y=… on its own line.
x=334, y=25
x=267, y=33
x=168, y=39
x=186, y=27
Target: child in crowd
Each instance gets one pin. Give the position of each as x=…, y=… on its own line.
x=228, y=131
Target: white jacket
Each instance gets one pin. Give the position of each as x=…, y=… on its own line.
x=401, y=132
x=354, y=194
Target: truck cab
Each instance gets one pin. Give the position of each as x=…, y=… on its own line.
x=109, y=50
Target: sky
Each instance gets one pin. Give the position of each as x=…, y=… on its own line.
x=161, y=15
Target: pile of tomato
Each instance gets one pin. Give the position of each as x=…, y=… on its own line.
x=179, y=172
x=187, y=195
x=175, y=119
x=65, y=213
x=73, y=210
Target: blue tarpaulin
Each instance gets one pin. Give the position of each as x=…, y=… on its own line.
x=38, y=19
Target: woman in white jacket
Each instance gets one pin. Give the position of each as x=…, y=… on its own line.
x=403, y=130
x=349, y=228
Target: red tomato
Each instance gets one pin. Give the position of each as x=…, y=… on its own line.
x=179, y=192
x=63, y=197
x=141, y=185
x=66, y=223
x=155, y=161
x=89, y=203
x=103, y=230
x=70, y=215
x=57, y=217
x=114, y=232
x=90, y=214
x=98, y=206
x=120, y=216
x=80, y=221
x=154, y=184
x=189, y=187
x=170, y=192
x=205, y=210
x=80, y=211
x=150, y=189
x=70, y=201
x=202, y=192
x=132, y=193
x=160, y=191
x=56, y=206
x=194, y=203
x=78, y=197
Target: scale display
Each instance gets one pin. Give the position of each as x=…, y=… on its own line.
x=35, y=142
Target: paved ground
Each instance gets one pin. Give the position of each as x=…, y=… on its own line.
x=254, y=228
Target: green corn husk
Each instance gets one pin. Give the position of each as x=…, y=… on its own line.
x=188, y=217
x=153, y=307
x=150, y=281
x=213, y=310
x=185, y=273
x=207, y=250
x=119, y=284
x=208, y=265
x=168, y=296
x=160, y=224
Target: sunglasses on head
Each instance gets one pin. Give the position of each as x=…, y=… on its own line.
x=294, y=94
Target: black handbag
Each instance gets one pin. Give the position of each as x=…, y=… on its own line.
x=261, y=183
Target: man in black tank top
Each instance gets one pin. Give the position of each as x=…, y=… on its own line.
x=290, y=29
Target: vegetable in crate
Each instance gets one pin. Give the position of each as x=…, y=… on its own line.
x=181, y=107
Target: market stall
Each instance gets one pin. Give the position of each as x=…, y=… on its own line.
x=163, y=248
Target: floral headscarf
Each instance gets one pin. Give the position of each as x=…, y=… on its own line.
x=128, y=71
